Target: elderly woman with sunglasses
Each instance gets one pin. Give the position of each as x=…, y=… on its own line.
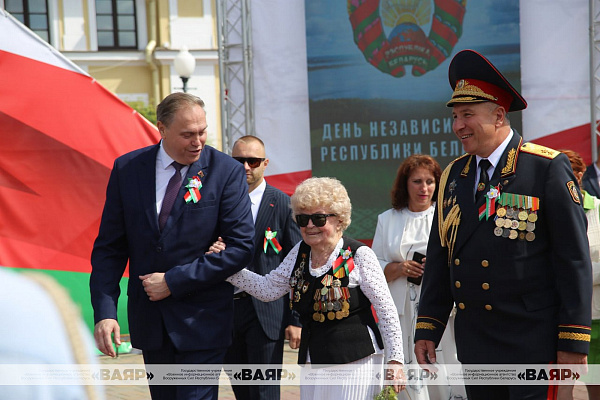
x=333, y=281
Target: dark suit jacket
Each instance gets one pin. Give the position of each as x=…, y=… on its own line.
x=518, y=301
x=199, y=313
x=590, y=181
x=274, y=212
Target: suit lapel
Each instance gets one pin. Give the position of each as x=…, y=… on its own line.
x=265, y=214
x=147, y=185
x=196, y=169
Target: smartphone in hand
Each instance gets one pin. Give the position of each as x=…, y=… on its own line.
x=418, y=257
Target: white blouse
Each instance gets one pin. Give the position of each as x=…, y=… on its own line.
x=399, y=234
x=367, y=274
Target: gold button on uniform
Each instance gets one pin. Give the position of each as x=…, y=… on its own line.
x=488, y=307
x=485, y=263
x=457, y=284
x=485, y=286
x=457, y=262
x=461, y=306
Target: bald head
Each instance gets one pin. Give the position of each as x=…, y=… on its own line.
x=251, y=147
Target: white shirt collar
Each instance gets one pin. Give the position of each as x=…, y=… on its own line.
x=256, y=197
x=257, y=194
x=163, y=159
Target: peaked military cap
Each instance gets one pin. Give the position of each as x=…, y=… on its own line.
x=474, y=79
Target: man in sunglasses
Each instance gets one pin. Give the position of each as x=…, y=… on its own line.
x=260, y=328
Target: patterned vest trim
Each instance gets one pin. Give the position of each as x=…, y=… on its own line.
x=332, y=341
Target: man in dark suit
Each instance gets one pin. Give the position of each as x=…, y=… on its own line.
x=508, y=244
x=260, y=328
x=590, y=178
x=180, y=307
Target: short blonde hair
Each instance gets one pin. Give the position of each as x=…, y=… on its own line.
x=326, y=193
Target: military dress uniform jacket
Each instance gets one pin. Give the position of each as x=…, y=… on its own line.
x=520, y=296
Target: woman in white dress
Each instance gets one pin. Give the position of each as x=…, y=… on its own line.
x=401, y=238
x=333, y=281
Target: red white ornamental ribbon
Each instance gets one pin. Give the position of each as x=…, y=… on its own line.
x=193, y=193
x=270, y=239
x=344, y=264
x=489, y=207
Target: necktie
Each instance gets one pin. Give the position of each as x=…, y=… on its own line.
x=484, y=180
x=170, y=195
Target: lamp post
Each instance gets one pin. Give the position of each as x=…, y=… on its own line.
x=184, y=65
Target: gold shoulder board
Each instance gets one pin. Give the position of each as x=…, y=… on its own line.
x=539, y=150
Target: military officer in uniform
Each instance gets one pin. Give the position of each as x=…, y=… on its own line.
x=508, y=243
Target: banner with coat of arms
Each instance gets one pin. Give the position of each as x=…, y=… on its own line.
x=378, y=86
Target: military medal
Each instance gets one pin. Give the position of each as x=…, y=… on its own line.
x=530, y=236
x=305, y=287
x=337, y=306
x=532, y=217
x=451, y=199
x=297, y=283
x=520, y=212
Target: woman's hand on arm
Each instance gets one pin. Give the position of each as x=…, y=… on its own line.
x=217, y=246
x=398, y=269
x=395, y=374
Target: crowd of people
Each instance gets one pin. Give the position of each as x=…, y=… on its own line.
x=488, y=261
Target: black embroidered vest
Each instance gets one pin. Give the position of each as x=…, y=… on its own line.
x=333, y=337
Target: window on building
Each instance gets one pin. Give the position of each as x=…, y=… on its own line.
x=115, y=20
x=32, y=13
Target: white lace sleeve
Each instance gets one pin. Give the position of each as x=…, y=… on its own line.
x=271, y=286
x=372, y=283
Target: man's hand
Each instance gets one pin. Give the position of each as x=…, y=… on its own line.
x=103, y=331
x=425, y=353
x=567, y=357
x=155, y=286
x=293, y=333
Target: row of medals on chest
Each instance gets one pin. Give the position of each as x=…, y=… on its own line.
x=515, y=223
x=331, y=299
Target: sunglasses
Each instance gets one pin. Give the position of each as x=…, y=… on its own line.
x=253, y=162
x=318, y=220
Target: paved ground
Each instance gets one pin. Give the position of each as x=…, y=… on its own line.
x=140, y=392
